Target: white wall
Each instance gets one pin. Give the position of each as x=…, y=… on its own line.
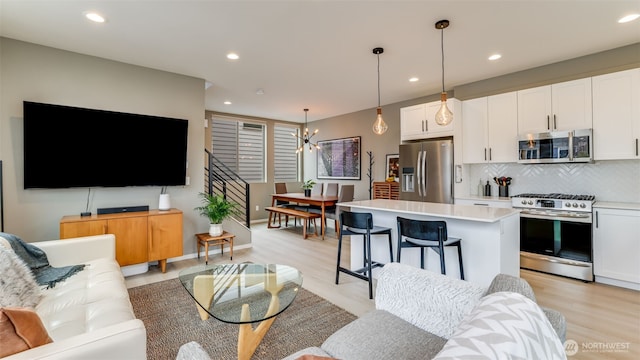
x=43, y=74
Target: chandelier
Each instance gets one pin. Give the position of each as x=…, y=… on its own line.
x=306, y=137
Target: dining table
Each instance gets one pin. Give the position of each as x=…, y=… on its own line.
x=322, y=201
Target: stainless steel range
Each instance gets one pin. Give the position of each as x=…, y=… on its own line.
x=555, y=233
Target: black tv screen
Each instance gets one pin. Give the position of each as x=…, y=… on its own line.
x=66, y=147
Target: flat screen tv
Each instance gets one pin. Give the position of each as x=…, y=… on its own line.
x=68, y=147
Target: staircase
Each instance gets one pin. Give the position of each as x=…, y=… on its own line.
x=219, y=179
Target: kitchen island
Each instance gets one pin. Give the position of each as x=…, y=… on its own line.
x=490, y=237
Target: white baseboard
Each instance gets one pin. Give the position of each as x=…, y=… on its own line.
x=619, y=283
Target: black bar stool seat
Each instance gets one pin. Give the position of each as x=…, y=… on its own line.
x=361, y=224
x=427, y=234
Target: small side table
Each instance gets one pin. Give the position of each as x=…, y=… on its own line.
x=206, y=240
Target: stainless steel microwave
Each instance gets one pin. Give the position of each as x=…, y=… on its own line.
x=556, y=147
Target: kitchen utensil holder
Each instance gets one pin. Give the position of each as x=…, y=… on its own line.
x=503, y=191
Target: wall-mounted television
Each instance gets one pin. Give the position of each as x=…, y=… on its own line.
x=68, y=147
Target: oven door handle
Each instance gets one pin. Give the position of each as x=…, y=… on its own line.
x=555, y=260
x=578, y=219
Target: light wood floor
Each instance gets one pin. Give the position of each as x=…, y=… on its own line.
x=598, y=316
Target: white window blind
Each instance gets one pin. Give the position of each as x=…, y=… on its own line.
x=284, y=152
x=240, y=145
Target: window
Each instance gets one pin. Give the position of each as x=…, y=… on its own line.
x=240, y=145
x=284, y=152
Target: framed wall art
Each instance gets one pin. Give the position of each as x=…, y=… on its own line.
x=339, y=159
x=392, y=169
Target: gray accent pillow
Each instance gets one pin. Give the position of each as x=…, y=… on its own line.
x=504, y=325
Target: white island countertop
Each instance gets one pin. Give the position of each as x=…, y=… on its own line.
x=449, y=211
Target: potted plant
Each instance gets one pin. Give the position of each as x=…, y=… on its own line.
x=216, y=208
x=307, y=186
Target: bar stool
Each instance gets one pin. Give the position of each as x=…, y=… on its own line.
x=427, y=234
x=361, y=224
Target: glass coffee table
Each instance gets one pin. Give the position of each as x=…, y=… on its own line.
x=243, y=294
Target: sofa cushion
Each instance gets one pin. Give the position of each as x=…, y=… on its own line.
x=92, y=299
x=382, y=336
x=504, y=325
x=18, y=287
x=20, y=329
x=433, y=302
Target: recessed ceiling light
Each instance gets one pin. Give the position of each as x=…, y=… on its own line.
x=495, y=57
x=413, y=79
x=227, y=102
x=233, y=56
x=260, y=92
x=626, y=19
x=94, y=16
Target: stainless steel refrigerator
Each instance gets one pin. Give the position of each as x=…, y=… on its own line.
x=426, y=171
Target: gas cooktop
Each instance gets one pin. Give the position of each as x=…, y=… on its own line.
x=557, y=196
x=567, y=202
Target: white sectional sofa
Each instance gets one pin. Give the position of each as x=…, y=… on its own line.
x=88, y=315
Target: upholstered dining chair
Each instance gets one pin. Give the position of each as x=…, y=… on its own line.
x=281, y=188
x=333, y=212
x=331, y=189
x=317, y=189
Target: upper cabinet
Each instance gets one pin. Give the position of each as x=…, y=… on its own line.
x=418, y=121
x=489, y=129
x=562, y=106
x=616, y=115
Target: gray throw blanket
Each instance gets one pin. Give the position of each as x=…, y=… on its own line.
x=37, y=261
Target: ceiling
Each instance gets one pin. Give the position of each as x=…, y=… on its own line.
x=318, y=54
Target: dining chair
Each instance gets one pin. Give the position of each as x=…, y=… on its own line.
x=281, y=188
x=332, y=212
x=317, y=189
x=331, y=189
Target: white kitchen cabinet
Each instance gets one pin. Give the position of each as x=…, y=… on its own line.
x=490, y=131
x=616, y=247
x=562, y=106
x=616, y=115
x=418, y=121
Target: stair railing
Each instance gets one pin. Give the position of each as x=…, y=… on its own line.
x=220, y=179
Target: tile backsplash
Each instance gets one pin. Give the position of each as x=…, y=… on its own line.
x=616, y=181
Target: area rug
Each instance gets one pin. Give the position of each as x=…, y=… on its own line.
x=171, y=319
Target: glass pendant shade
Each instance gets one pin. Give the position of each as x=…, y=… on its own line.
x=379, y=126
x=444, y=116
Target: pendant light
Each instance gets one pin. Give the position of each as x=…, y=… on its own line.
x=379, y=126
x=444, y=116
x=306, y=137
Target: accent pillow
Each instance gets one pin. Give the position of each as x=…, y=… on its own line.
x=18, y=287
x=20, y=329
x=504, y=325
